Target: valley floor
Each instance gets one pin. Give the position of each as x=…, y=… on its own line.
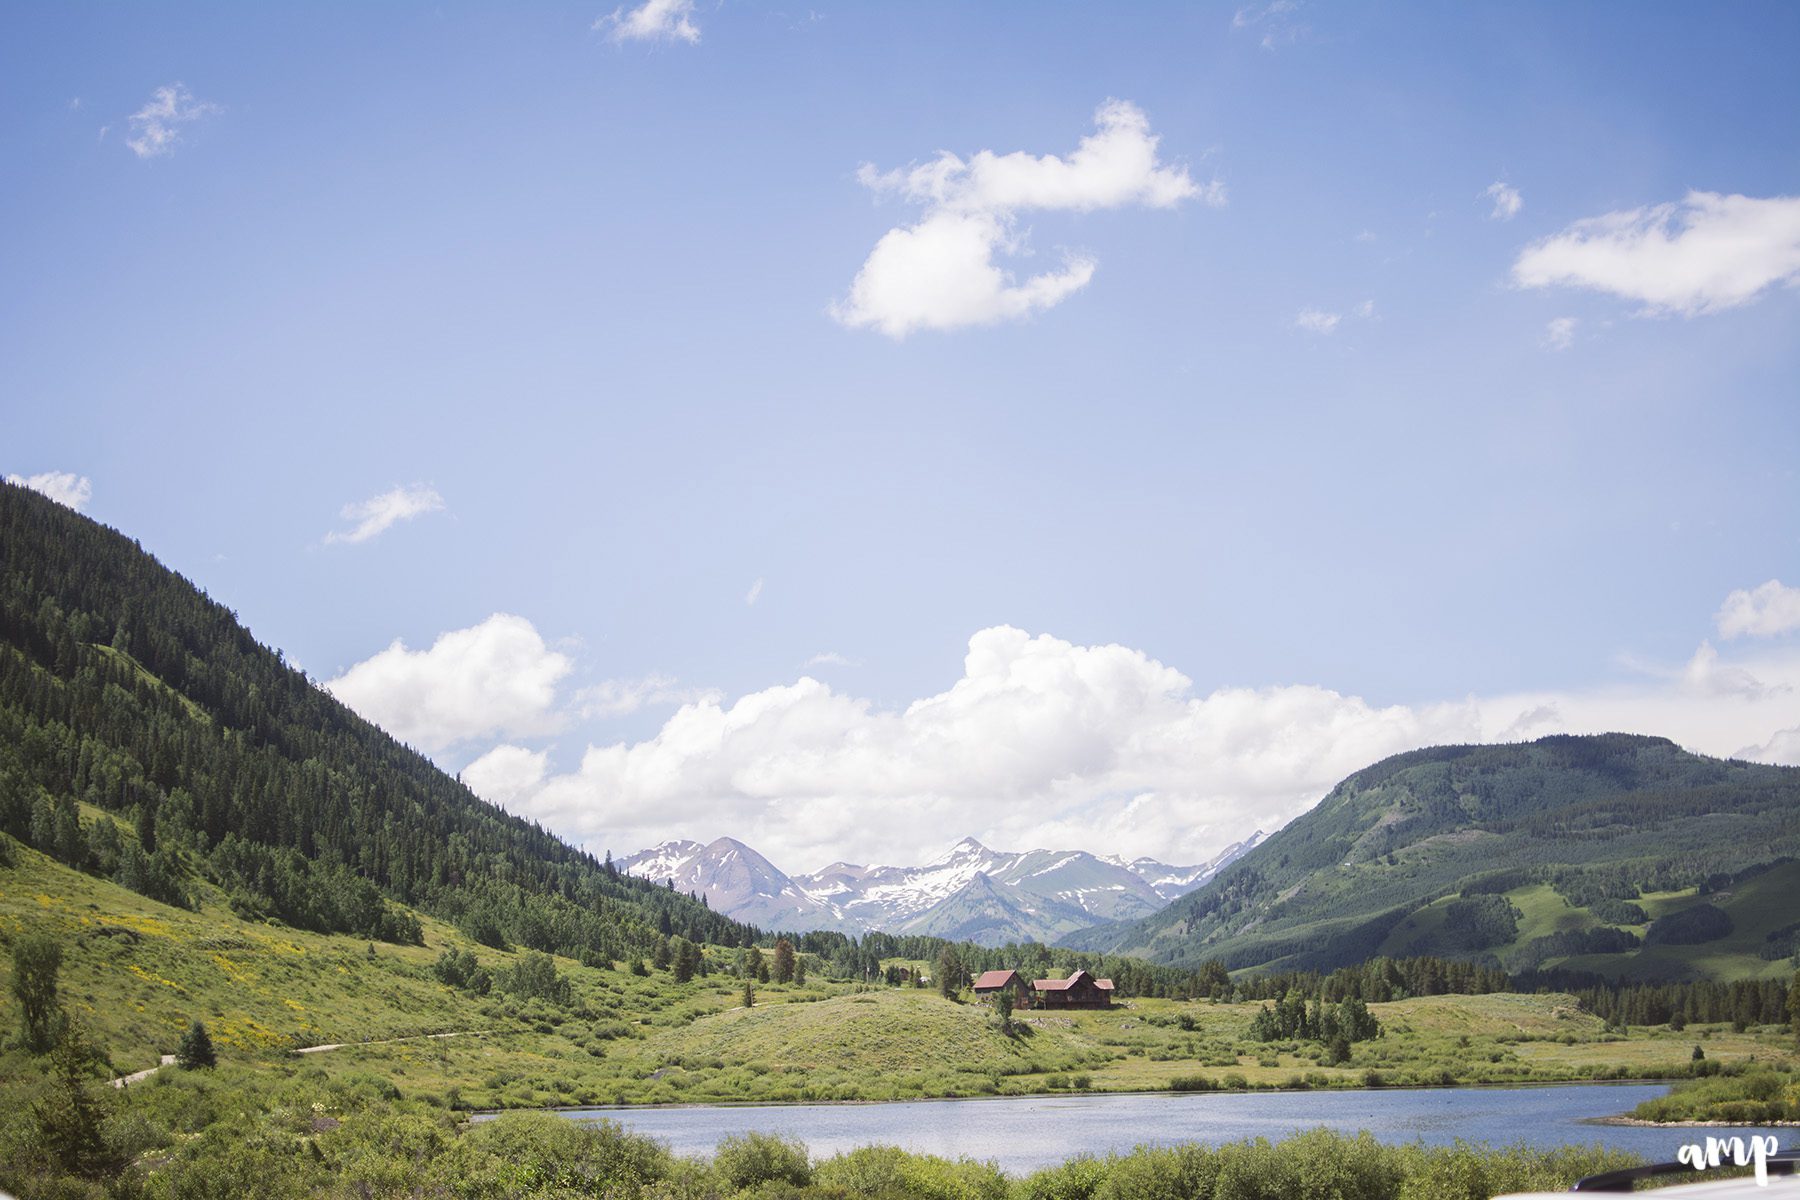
x=136, y=972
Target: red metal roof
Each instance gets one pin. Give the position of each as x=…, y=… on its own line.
x=1063, y=985
x=995, y=979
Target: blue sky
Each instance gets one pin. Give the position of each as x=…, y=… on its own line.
x=1397, y=390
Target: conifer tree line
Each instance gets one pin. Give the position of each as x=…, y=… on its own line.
x=125, y=688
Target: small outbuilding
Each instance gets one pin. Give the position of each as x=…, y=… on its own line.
x=1079, y=990
x=992, y=983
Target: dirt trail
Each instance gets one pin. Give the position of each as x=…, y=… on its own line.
x=146, y=1073
x=167, y=1059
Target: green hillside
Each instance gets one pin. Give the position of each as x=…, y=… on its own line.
x=1618, y=855
x=125, y=691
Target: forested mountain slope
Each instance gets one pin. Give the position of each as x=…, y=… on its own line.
x=124, y=688
x=1619, y=855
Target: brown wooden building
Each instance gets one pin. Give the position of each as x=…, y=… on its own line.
x=992, y=983
x=1079, y=990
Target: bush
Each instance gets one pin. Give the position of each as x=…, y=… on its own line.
x=753, y=1158
x=1162, y=1173
x=891, y=1172
x=545, y=1149
x=1078, y=1178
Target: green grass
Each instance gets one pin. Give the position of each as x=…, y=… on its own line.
x=136, y=972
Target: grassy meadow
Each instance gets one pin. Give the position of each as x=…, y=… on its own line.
x=136, y=972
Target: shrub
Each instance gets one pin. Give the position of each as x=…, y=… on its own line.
x=889, y=1171
x=753, y=1158
x=543, y=1148
x=1078, y=1178
x=1162, y=1173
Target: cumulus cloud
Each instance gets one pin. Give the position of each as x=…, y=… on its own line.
x=1768, y=610
x=156, y=127
x=1038, y=740
x=1041, y=742
x=1708, y=253
x=506, y=773
x=941, y=272
x=64, y=487
x=377, y=514
x=1783, y=749
x=652, y=21
x=1704, y=673
x=1559, y=334
x=1507, y=201
x=495, y=678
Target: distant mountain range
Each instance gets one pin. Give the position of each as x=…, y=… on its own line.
x=973, y=893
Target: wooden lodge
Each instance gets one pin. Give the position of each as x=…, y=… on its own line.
x=1079, y=990
x=992, y=983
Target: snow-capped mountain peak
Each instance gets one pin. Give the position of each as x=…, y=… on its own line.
x=1041, y=894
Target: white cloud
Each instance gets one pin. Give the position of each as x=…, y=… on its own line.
x=1706, y=675
x=619, y=697
x=377, y=514
x=755, y=592
x=1507, y=201
x=1275, y=22
x=506, y=773
x=1783, y=749
x=1768, y=610
x=941, y=272
x=1559, y=334
x=64, y=487
x=830, y=658
x=1323, y=321
x=495, y=678
x=1708, y=253
x=1044, y=743
x=652, y=21
x=156, y=127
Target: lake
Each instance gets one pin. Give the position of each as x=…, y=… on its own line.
x=1024, y=1133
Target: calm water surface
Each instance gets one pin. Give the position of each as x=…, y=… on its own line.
x=1025, y=1133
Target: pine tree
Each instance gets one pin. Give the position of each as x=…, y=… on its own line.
x=684, y=957
x=69, y=1113
x=784, y=961
x=950, y=973
x=749, y=995
x=1794, y=1004
x=196, y=1049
